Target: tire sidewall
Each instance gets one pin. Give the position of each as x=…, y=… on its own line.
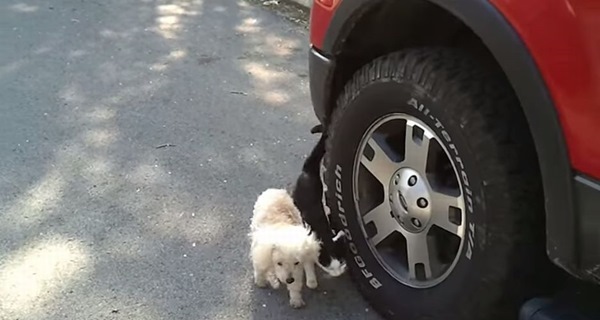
x=374, y=101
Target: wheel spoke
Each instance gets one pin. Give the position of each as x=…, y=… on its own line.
x=416, y=150
x=383, y=221
x=418, y=253
x=441, y=212
x=381, y=166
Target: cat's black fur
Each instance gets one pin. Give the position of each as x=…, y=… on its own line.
x=307, y=195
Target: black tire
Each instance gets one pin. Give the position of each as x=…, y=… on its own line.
x=479, y=111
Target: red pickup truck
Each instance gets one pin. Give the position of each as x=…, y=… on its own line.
x=462, y=158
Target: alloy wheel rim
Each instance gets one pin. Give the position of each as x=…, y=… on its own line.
x=414, y=220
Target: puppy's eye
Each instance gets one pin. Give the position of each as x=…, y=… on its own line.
x=279, y=263
x=296, y=263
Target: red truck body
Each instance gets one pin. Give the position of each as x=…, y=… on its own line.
x=563, y=37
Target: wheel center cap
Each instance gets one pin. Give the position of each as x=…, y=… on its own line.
x=409, y=199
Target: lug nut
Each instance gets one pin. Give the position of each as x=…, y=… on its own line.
x=416, y=222
x=412, y=181
x=422, y=203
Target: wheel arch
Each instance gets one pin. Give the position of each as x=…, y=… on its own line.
x=502, y=45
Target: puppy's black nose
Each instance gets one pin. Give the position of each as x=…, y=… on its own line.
x=289, y=280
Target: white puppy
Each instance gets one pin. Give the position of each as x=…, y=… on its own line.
x=283, y=249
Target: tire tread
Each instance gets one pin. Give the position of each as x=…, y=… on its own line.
x=502, y=141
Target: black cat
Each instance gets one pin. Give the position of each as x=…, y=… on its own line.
x=307, y=195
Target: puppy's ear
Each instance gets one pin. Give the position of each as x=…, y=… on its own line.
x=262, y=253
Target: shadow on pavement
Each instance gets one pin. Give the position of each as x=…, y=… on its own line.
x=135, y=136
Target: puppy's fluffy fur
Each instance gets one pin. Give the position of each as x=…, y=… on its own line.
x=283, y=249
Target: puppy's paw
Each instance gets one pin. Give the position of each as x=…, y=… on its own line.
x=261, y=283
x=312, y=283
x=274, y=283
x=297, y=303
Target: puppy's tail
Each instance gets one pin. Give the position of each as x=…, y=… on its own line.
x=317, y=129
x=339, y=235
x=312, y=164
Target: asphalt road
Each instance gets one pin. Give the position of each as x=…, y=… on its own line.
x=134, y=139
